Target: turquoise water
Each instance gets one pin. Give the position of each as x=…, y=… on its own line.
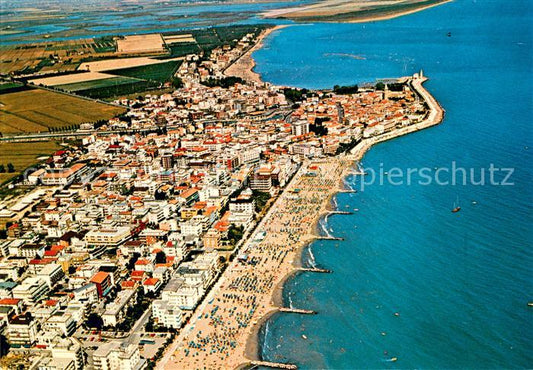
x=459, y=282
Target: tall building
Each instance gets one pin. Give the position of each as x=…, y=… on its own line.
x=300, y=127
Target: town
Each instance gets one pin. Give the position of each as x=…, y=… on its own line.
x=120, y=237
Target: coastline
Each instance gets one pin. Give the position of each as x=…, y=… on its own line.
x=381, y=15
x=244, y=66
x=435, y=117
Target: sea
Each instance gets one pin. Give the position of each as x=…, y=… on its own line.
x=414, y=285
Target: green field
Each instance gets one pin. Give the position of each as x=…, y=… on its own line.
x=161, y=72
x=210, y=38
x=97, y=84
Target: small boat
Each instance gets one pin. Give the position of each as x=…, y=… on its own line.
x=474, y=202
x=456, y=207
x=393, y=359
x=449, y=34
x=530, y=304
x=304, y=336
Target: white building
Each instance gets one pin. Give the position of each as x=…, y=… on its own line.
x=32, y=290
x=166, y=314
x=117, y=356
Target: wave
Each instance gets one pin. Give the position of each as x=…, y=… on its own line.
x=323, y=225
x=312, y=260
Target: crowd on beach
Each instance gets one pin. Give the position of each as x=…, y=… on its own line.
x=218, y=338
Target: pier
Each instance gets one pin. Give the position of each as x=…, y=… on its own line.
x=315, y=269
x=274, y=365
x=328, y=238
x=341, y=213
x=347, y=191
x=297, y=310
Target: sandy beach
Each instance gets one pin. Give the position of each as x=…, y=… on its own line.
x=223, y=332
x=244, y=66
x=353, y=11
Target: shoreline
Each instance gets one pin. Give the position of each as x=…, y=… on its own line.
x=244, y=66
x=384, y=15
x=229, y=320
x=435, y=117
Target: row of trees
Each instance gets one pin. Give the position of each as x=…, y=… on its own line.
x=10, y=168
x=63, y=128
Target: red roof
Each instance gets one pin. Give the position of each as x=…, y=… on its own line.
x=99, y=277
x=151, y=281
x=128, y=284
x=9, y=301
x=137, y=273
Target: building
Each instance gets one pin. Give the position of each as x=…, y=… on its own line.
x=32, y=290
x=102, y=280
x=108, y=236
x=51, y=274
x=63, y=176
x=117, y=356
x=116, y=310
x=211, y=239
x=262, y=179
x=166, y=314
x=22, y=330
x=300, y=128
x=62, y=323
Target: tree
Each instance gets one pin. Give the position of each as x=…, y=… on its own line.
x=10, y=168
x=2, y=168
x=94, y=321
x=380, y=86
x=131, y=263
x=160, y=257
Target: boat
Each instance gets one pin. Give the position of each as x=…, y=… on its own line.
x=530, y=304
x=304, y=336
x=456, y=207
x=449, y=34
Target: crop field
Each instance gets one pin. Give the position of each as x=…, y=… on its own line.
x=141, y=43
x=31, y=58
x=96, y=84
x=112, y=64
x=161, y=72
x=37, y=110
x=23, y=155
x=70, y=78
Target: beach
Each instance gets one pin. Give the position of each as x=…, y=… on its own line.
x=223, y=332
x=244, y=66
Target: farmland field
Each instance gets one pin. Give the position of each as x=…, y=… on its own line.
x=161, y=72
x=95, y=84
x=23, y=155
x=37, y=110
x=70, y=78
